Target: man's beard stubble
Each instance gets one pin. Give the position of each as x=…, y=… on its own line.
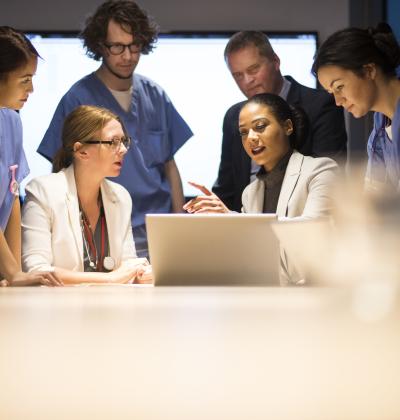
x=115, y=73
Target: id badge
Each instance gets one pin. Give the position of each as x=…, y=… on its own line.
x=14, y=186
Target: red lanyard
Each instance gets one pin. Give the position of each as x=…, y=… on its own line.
x=90, y=240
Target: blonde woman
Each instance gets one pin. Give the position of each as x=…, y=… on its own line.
x=75, y=221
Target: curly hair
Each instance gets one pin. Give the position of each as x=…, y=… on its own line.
x=15, y=50
x=129, y=15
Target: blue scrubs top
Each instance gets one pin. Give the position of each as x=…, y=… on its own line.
x=157, y=131
x=383, y=153
x=11, y=153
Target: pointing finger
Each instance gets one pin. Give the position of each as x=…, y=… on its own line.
x=202, y=188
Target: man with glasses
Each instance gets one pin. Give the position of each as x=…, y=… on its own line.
x=117, y=34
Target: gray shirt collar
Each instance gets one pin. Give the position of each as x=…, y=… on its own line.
x=285, y=89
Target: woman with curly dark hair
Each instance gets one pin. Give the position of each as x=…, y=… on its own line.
x=118, y=33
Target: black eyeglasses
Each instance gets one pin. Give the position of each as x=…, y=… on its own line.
x=117, y=49
x=115, y=144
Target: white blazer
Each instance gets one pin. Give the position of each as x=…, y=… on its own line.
x=51, y=228
x=306, y=189
x=305, y=194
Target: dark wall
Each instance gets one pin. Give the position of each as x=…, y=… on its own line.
x=322, y=16
x=393, y=16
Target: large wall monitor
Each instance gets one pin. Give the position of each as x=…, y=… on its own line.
x=191, y=69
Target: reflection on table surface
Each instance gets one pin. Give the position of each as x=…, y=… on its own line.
x=200, y=353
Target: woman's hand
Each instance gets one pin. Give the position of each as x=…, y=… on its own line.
x=145, y=275
x=34, y=278
x=131, y=273
x=207, y=203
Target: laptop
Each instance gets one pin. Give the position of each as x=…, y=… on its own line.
x=223, y=249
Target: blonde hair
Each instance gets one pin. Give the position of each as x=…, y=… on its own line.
x=84, y=123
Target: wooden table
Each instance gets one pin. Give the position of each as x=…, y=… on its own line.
x=199, y=353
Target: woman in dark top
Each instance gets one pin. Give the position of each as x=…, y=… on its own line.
x=288, y=183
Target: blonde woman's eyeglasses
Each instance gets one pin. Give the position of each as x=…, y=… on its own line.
x=115, y=144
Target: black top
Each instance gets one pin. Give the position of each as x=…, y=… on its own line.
x=273, y=183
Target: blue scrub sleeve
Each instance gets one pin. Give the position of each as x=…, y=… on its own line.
x=52, y=139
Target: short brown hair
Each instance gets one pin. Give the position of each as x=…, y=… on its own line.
x=84, y=123
x=126, y=13
x=243, y=39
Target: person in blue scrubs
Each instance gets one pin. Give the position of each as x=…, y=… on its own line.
x=361, y=68
x=18, y=62
x=118, y=33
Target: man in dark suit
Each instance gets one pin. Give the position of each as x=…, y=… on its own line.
x=256, y=69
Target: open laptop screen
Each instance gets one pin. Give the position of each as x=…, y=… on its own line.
x=223, y=249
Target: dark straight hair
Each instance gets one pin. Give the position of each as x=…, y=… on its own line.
x=15, y=50
x=353, y=48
